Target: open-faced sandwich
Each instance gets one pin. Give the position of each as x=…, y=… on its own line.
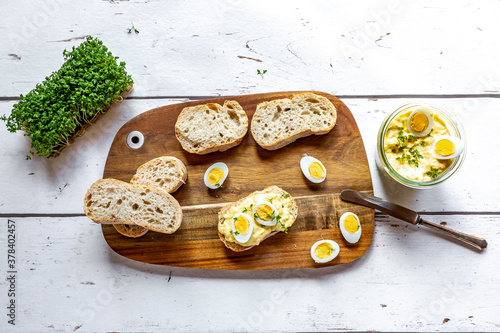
x=247, y=222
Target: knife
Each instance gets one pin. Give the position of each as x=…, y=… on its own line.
x=409, y=216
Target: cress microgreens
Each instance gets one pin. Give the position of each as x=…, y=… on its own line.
x=283, y=225
x=234, y=233
x=134, y=29
x=413, y=154
x=70, y=98
x=434, y=172
x=261, y=73
x=285, y=195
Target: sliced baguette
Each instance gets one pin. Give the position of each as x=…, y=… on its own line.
x=130, y=230
x=272, y=190
x=166, y=172
x=114, y=201
x=208, y=128
x=280, y=122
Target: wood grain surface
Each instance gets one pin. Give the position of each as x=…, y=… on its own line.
x=251, y=168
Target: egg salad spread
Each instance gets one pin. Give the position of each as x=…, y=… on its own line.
x=252, y=206
x=411, y=155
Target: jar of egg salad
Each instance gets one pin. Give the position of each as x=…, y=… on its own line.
x=420, y=145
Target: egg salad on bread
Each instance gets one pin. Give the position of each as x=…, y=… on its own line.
x=247, y=222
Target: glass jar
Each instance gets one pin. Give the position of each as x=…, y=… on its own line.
x=452, y=124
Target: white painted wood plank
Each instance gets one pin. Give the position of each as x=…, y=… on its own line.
x=215, y=47
x=409, y=280
x=52, y=186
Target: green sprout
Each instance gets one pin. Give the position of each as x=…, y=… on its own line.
x=134, y=29
x=69, y=100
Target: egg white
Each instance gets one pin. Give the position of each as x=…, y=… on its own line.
x=305, y=162
x=459, y=147
x=271, y=222
x=350, y=237
x=427, y=111
x=333, y=255
x=220, y=165
x=239, y=237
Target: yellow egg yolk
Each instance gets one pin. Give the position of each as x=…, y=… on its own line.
x=351, y=223
x=445, y=147
x=241, y=225
x=419, y=122
x=323, y=250
x=316, y=170
x=215, y=176
x=264, y=212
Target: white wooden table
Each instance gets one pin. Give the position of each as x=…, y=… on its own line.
x=374, y=55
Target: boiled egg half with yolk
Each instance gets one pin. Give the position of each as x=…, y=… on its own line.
x=265, y=213
x=241, y=227
x=350, y=227
x=420, y=121
x=313, y=169
x=447, y=147
x=324, y=251
x=215, y=175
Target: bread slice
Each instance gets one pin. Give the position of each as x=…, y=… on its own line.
x=130, y=230
x=166, y=172
x=114, y=201
x=280, y=122
x=208, y=128
x=270, y=190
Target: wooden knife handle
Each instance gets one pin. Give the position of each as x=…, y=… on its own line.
x=476, y=242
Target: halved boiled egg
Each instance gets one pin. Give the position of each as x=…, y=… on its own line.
x=313, y=169
x=265, y=213
x=242, y=227
x=447, y=147
x=215, y=175
x=420, y=121
x=324, y=251
x=350, y=227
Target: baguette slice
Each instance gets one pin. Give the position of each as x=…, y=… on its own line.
x=114, y=201
x=208, y=128
x=272, y=190
x=166, y=172
x=280, y=122
x=130, y=230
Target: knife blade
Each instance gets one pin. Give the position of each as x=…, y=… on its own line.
x=409, y=216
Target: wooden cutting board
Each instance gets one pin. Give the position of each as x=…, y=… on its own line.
x=196, y=243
